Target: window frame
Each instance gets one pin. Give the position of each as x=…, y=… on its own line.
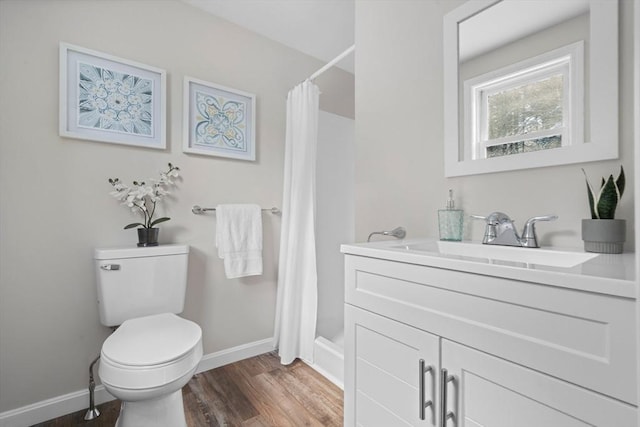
x=567, y=60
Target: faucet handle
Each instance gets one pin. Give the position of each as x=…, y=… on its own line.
x=529, y=238
x=494, y=218
x=489, y=230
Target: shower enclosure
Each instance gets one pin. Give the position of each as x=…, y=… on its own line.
x=335, y=218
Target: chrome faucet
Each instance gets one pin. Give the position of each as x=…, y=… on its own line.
x=500, y=230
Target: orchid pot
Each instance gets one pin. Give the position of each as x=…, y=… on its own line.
x=148, y=236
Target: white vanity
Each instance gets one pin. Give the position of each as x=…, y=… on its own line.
x=469, y=335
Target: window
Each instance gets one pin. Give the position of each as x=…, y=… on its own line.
x=530, y=106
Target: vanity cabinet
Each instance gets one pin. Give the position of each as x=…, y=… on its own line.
x=396, y=368
x=493, y=392
x=516, y=353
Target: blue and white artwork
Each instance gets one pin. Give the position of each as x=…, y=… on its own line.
x=219, y=121
x=109, y=99
x=114, y=101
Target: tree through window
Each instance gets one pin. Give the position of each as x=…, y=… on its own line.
x=524, y=107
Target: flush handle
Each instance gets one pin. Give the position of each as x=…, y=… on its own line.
x=110, y=267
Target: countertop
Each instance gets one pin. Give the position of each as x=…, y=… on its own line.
x=611, y=274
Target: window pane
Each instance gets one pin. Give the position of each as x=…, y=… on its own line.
x=524, y=109
x=527, y=146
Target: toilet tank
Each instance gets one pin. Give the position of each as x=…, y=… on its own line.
x=136, y=282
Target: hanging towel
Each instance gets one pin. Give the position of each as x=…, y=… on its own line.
x=239, y=239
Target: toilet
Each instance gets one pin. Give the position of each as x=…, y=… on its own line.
x=153, y=353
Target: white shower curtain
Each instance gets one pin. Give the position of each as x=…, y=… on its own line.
x=297, y=303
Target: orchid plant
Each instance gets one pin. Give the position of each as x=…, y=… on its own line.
x=142, y=198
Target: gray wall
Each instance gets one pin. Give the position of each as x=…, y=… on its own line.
x=54, y=191
x=399, y=136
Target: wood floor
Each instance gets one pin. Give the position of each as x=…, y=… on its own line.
x=256, y=392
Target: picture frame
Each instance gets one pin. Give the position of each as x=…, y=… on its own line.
x=109, y=99
x=218, y=120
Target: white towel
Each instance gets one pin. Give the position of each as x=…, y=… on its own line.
x=239, y=239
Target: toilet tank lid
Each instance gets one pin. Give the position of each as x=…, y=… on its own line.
x=136, y=252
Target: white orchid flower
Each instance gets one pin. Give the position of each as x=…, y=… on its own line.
x=159, y=194
x=142, y=198
x=130, y=200
x=165, y=178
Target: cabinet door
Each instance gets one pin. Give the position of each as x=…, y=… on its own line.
x=387, y=376
x=491, y=392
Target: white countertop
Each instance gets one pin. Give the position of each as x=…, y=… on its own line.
x=605, y=273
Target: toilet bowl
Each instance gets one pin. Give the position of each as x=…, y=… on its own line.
x=145, y=363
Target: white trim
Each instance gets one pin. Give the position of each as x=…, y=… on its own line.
x=78, y=400
x=636, y=117
x=568, y=61
x=52, y=408
x=235, y=354
x=603, y=84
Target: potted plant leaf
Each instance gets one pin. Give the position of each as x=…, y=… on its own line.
x=603, y=233
x=142, y=199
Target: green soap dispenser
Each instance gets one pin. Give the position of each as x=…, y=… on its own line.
x=450, y=221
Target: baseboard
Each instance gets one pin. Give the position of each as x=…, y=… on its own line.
x=52, y=408
x=235, y=354
x=66, y=404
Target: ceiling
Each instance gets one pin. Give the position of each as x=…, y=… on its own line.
x=319, y=28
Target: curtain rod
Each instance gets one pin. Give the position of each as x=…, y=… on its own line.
x=333, y=62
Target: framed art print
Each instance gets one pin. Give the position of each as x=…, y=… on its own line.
x=109, y=99
x=218, y=121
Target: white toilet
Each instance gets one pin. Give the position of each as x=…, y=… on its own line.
x=154, y=353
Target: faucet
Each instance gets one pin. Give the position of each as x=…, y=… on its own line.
x=500, y=230
x=398, y=233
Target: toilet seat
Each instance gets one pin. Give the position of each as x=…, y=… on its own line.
x=150, y=351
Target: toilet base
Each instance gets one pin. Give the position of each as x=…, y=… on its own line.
x=165, y=411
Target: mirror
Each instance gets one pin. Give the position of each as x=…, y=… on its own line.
x=520, y=88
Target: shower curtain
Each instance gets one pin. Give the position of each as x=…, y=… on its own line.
x=297, y=299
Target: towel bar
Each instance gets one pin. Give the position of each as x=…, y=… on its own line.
x=198, y=210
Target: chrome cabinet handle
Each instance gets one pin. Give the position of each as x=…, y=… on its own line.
x=423, y=369
x=444, y=415
x=110, y=267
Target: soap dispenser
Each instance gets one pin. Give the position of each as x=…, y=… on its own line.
x=450, y=221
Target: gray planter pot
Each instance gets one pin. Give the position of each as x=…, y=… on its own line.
x=604, y=236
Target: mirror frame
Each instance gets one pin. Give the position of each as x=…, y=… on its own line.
x=603, y=84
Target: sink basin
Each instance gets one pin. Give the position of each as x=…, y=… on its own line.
x=547, y=257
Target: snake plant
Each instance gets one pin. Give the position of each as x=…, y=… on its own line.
x=603, y=203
